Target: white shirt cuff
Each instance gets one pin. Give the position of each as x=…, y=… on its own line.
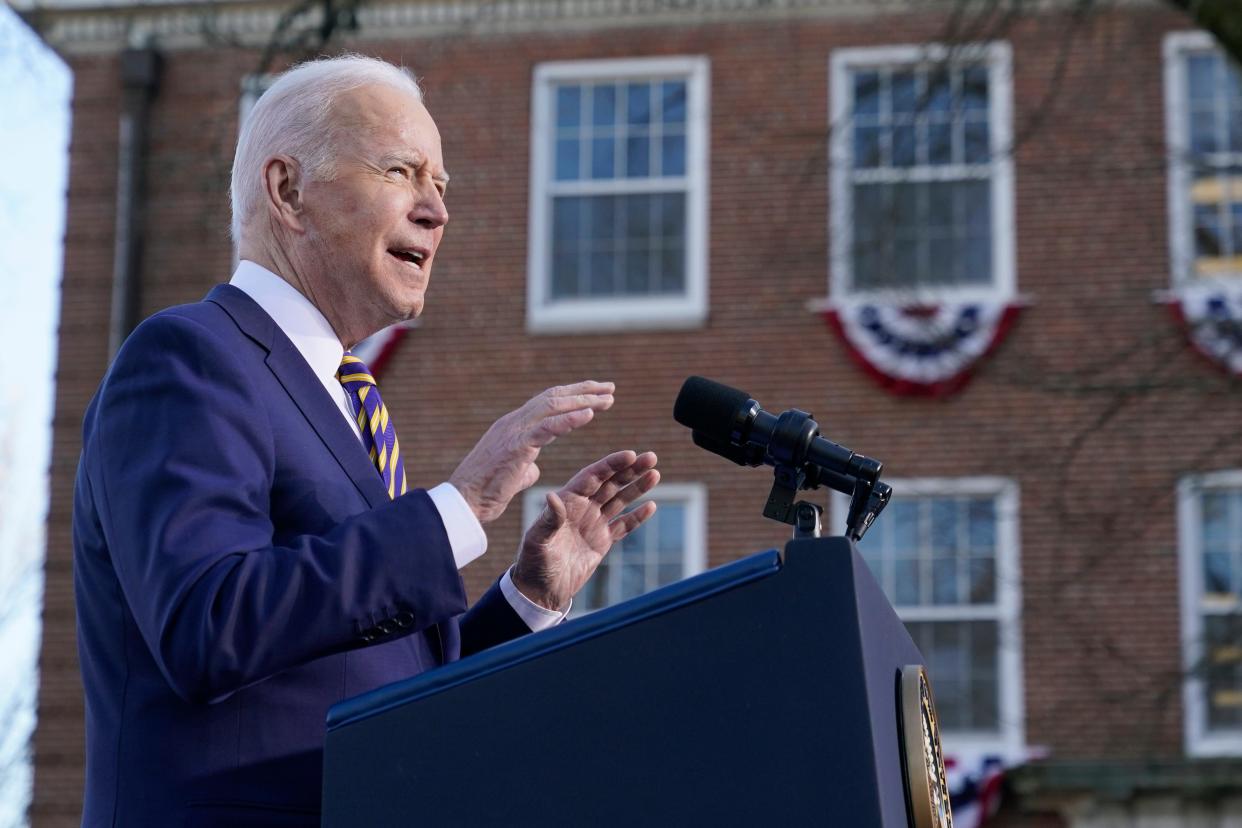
x=536, y=617
x=465, y=533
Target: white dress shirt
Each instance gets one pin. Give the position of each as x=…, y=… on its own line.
x=315, y=340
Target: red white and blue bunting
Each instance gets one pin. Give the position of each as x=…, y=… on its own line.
x=1211, y=313
x=377, y=349
x=921, y=349
x=975, y=785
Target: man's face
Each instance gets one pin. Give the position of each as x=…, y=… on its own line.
x=372, y=232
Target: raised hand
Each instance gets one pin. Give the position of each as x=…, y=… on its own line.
x=502, y=463
x=580, y=523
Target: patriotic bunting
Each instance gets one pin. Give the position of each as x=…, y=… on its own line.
x=378, y=348
x=927, y=350
x=1211, y=313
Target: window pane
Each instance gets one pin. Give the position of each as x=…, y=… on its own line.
x=638, y=215
x=672, y=269
x=1235, y=229
x=906, y=575
x=1217, y=573
x=975, y=89
x=904, y=93
x=944, y=580
x=977, y=198
x=670, y=216
x=975, y=147
x=903, y=146
x=595, y=594
x=638, y=104
x=978, y=266
x=944, y=526
x=604, y=106
x=866, y=93
x=602, y=277
x=567, y=161
x=564, y=273
x=942, y=260
x=568, y=106
x=867, y=146
x=1201, y=77
x=939, y=144
x=673, y=154
x=981, y=519
x=982, y=580
x=1235, y=129
x=903, y=516
x=671, y=531
x=637, y=271
x=939, y=92
x=1222, y=669
x=1208, y=241
x=566, y=244
x=633, y=580
x=637, y=156
x=603, y=161
x=673, y=106
x=1203, y=132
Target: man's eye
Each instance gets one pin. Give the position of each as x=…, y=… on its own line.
x=398, y=170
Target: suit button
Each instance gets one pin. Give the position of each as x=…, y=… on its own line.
x=404, y=619
x=387, y=626
x=369, y=634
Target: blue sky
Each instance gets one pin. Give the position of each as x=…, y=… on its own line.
x=35, y=90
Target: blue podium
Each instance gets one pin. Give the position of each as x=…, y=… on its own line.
x=765, y=692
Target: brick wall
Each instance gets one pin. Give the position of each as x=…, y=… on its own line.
x=1094, y=404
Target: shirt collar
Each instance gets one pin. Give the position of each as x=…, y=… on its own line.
x=295, y=315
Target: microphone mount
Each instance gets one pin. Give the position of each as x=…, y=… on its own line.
x=801, y=461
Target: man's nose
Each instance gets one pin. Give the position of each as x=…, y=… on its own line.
x=429, y=209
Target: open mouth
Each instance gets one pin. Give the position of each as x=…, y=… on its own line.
x=414, y=257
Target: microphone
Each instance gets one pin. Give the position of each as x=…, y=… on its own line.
x=730, y=423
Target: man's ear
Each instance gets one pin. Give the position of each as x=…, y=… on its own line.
x=282, y=186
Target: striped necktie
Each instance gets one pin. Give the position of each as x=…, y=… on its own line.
x=379, y=435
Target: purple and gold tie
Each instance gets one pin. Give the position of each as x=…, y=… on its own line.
x=379, y=435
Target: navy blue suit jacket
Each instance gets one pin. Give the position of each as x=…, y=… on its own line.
x=239, y=568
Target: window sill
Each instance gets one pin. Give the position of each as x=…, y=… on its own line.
x=611, y=315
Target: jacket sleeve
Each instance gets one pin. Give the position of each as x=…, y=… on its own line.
x=491, y=621
x=181, y=458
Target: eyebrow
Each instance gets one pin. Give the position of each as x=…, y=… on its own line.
x=413, y=163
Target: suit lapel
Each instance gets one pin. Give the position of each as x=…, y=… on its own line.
x=305, y=389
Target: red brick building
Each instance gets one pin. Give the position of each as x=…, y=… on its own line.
x=645, y=190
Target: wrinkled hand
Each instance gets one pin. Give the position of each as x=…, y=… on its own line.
x=580, y=523
x=502, y=463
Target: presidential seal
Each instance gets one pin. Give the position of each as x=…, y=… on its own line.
x=927, y=786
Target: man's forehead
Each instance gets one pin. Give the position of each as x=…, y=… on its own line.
x=391, y=122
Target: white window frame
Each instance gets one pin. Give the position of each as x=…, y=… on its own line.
x=1010, y=741
x=692, y=495
x=616, y=313
x=1178, y=46
x=1199, y=741
x=999, y=59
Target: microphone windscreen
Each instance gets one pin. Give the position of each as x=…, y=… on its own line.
x=709, y=407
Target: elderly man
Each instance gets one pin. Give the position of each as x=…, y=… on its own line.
x=247, y=549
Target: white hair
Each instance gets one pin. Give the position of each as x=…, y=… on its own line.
x=294, y=117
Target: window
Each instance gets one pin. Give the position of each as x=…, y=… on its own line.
x=1203, y=96
x=1210, y=542
x=618, y=213
x=946, y=554
x=668, y=547
x=922, y=178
